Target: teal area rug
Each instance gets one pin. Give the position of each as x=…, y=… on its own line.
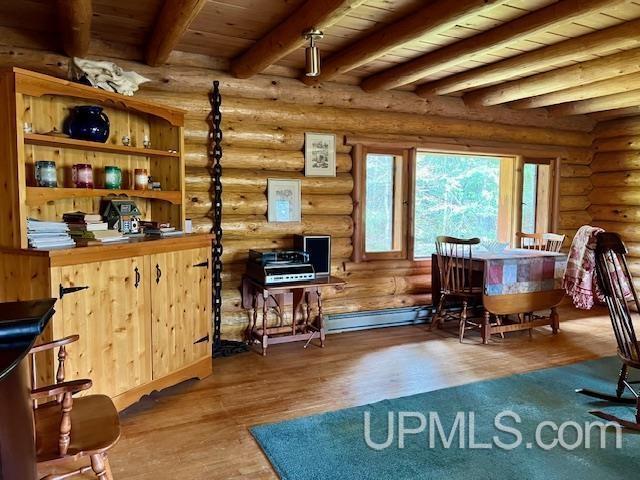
x=333, y=445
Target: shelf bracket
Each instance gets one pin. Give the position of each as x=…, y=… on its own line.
x=203, y=339
x=66, y=290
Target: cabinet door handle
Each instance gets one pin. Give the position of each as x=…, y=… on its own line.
x=137, y=282
x=66, y=290
x=158, y=273
x=202, y=264
x=203, y=339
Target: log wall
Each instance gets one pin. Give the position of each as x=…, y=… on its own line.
x=615, y=199
x=264, y=138
x=264, y=120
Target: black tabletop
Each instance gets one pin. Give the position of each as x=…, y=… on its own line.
x=20, y=325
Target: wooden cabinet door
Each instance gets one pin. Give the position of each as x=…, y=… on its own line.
x=112, y=317
x=180, y=308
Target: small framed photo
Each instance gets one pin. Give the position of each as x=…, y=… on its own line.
x=319, y=154
x=284, y=200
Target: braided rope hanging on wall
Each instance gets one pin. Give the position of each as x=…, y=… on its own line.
x=221, y=348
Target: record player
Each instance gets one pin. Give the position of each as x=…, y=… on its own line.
x=279, y=266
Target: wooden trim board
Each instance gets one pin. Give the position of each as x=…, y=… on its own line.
x=79, y=255
x=199, y=369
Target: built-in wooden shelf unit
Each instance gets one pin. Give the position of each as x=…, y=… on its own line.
x=42, y=104
x=42, y=195
x=142, y=308
x=64, y=142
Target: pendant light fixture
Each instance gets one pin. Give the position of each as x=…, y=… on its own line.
x=312, y=53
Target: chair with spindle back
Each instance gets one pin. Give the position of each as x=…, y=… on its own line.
x=549, y=242
x=455, y=265
x=616, y=283
x=67, y=429
x=532, y=241
x=553, y=241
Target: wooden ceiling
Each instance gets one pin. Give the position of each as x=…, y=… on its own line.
x=570, y=56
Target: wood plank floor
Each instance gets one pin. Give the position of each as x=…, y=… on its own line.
x=199, y=430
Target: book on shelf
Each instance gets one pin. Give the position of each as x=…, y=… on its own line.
x=88, y=227
x=96, y=235
x=81, y=217
x=34, y=225
x=161, y=233
x=152, y=224
x=51, y=243
x=48, y=235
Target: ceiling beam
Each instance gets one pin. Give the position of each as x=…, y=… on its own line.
x=171, y=23
x=287, y=36
x=622, y=63
x=616, y=113
x=433, y=18
x=623, y=36
x=610, y=86
x=564, y=11
x=600, y=104
x=74, y=24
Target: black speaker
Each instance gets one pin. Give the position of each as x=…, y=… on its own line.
x=319, y=249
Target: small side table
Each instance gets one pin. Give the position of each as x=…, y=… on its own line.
x=256, y=296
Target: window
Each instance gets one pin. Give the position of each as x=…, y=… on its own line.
x=384, y=176
x=529, y=197
x=456, y=195
x=405, y=198
x=536, y=194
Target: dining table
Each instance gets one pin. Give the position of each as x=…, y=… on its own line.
x=522, y=286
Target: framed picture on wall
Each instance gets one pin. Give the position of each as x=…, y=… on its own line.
x=284, y=200
x=319, y=154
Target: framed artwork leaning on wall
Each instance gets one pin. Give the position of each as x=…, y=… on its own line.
x=284, y=200
x=319, y=154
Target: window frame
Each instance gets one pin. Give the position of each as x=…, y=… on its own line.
x=511, y=182
x=401, y=203
x=546, y=209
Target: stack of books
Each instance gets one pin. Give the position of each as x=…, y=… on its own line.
x=159, y=229
x=48, y=235
x=163, y=232
x=89, y=229
x=100, y=237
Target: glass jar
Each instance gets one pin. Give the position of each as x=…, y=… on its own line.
x=45, y=173
x=140, y=179
x=82, y=175
x=112, y=177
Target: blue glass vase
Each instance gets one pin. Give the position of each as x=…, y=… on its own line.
x=88, y=123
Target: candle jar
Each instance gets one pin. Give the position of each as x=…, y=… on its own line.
x=82, y=175
x=112, y=177
x=45, y=172
x=140, y=179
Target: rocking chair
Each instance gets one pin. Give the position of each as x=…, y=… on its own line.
x=617, y=286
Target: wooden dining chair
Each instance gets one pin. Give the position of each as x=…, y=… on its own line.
x=553, y=241
x=549, y=242
x=66, y=428
x=616, y=283
x=532, y=241
x=455, y=265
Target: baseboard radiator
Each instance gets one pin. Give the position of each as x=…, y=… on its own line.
x=392, y=317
